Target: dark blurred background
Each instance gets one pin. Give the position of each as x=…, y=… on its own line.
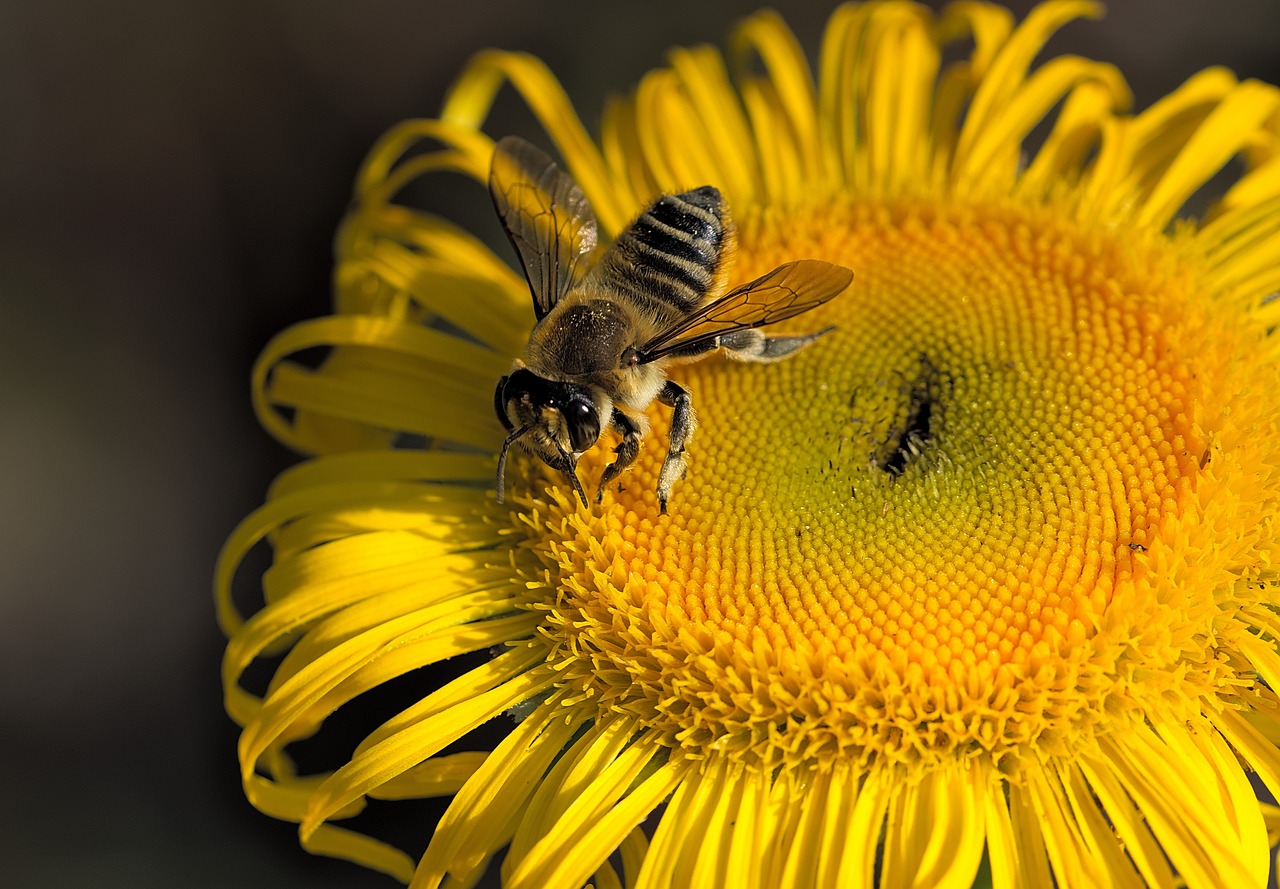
x=170, y=178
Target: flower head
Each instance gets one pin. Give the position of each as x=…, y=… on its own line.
x=988, y=571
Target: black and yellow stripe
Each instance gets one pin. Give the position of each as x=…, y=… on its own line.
x=672, y=252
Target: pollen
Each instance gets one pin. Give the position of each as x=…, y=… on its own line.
x=881, y=538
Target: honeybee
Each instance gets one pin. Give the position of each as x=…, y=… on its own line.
x=610, y=320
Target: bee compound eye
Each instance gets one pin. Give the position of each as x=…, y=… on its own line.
x=583, y=422
x=500, y=404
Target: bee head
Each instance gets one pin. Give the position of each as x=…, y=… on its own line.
x=555, y=408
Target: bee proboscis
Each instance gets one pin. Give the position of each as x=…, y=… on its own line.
x=611, y=320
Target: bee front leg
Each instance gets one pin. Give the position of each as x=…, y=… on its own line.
x=566, y=463
x=626, y=449
x=683, y=423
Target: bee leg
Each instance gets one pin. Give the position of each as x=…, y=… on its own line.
x=683, y=423
x=569, y=466
x=626, y=449
x=753, y=345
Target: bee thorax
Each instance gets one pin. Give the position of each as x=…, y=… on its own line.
x=582, y=337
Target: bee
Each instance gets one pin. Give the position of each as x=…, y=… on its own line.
x=611, y=320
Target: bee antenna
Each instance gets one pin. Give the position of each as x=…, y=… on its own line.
x=502, y=460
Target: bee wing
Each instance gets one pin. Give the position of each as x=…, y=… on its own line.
x=546, y=216
x=783, y=293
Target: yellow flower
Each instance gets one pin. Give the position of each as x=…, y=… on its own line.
x=988, y=572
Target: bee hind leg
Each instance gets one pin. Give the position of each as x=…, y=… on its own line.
x=683, y=423
x=626, y=450
x=753, y=345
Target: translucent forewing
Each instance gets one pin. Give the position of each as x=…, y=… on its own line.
x=783, y=293
x=546, y=216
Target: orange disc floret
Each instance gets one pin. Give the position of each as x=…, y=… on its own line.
x=886, y=541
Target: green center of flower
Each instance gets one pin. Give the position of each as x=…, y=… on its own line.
x=883, y=539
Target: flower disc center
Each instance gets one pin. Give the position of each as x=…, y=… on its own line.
x=949, y=487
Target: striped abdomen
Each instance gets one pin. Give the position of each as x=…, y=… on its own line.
x=673, y=253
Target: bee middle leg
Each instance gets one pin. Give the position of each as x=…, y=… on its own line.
x=753, y=345
x=683, y=423
x=626, y=449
